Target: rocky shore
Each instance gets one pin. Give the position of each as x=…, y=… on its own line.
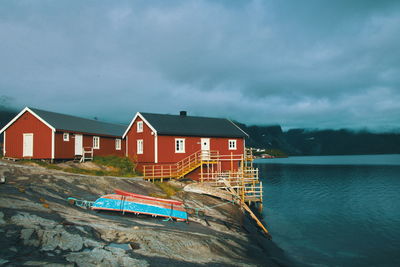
x=38, y=227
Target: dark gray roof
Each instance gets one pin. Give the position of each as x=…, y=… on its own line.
x=77, y=124
x=192, y=126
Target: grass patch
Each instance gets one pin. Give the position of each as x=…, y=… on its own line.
x=89, y=172
x=168, y=189
x=121, y=166
x=124, y=166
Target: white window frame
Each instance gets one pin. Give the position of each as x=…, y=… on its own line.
x=179, y=145
x=96, y=145
x=139, y=127
x=118, y=143
x=232, y=144
x=139, y=146
x=65, y=137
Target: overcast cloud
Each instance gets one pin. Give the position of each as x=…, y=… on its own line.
x=318, y=64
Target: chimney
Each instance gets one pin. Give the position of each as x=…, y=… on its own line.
x=183, y=113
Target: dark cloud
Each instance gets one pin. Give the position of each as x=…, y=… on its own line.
x=314, y=64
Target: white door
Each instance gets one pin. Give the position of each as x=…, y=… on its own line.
x=27, y=150
x=78, y=144
x=205, y=148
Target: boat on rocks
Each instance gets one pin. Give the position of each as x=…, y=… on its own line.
x=127, y=202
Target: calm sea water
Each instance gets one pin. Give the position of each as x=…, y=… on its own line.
x=334, y=210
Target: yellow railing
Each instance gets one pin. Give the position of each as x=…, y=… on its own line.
x=181, y=168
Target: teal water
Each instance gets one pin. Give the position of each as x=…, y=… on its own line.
x=334, y=211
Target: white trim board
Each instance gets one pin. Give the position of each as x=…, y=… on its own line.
x=126, y=146
x=53, y=143
x=4, y=144
x=155, y=148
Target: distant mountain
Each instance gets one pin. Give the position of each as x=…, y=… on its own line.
x=321, y=142
x=343, y=142
x=5, y=116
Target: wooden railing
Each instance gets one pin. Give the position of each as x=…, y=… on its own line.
x=87, y=154
x=181, y=168
x=244, y=181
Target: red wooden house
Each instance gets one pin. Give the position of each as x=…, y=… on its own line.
x=158, y=142
x=39, y=134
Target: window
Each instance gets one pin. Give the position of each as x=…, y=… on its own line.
x=179, y=145
x=140, y=126
x=140, y=146
x=96, y=142
x=232, y=144
x=66, y=136
x=117, y=144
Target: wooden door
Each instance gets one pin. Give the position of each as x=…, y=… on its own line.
x=205, y=148
x=27, y=150
x=78, y=144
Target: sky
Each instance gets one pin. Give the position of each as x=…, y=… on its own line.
x=300, y=64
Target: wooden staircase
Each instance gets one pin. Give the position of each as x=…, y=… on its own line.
x=242, y=184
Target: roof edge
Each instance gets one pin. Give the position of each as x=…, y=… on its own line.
x=239, y=128
x=138, y=114
x=21, y=113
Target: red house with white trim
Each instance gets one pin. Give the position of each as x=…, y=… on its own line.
x=40, y=134
x=167, y=139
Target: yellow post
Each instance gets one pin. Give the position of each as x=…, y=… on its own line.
x=231, y=161
x=201, y=172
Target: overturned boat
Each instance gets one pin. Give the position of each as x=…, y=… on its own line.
x=140, y=204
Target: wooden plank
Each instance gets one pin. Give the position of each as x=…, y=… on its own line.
x=247, y=208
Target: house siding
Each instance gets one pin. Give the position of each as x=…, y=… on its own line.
x=148, y=155
x=42, y=137
x=66, y=149
x=167, y=154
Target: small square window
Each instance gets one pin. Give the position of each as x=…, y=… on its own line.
x=117, y=144
x=96, y=142
x=139, y=148
x=232, y=144
x=179, y=145
x=140, y=126
x=66, y=136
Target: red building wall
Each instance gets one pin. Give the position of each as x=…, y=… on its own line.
x=148, y=143
x=42, y=137
x=166, y=147
x=66, y=149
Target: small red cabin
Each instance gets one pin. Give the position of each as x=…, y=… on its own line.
x=168, y=139
x=40, y=134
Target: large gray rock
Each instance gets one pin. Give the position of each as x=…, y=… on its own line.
x=26, y=236
x=59, y=238
x=2, y=221
x=103, y=257
x=28, y=220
